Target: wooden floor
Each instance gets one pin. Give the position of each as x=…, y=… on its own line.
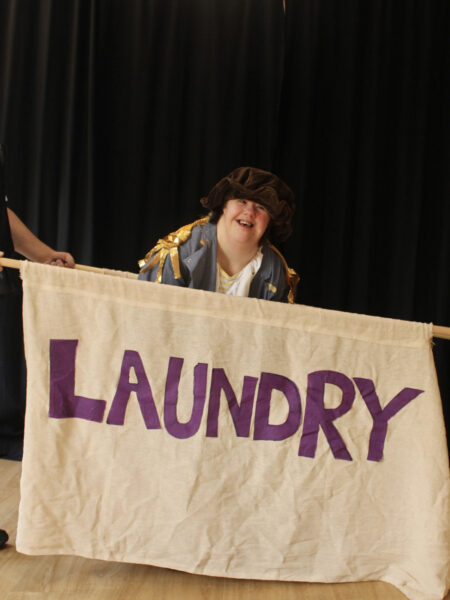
x=72, y=578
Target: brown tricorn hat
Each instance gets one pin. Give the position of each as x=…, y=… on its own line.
x=262, y=187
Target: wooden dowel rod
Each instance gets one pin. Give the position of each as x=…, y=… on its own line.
x=13, y=263
x=438, y=331
x=441, y=332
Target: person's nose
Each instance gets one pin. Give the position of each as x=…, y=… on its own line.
x=250, y=209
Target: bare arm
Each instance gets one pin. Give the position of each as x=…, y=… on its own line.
x=27, y=244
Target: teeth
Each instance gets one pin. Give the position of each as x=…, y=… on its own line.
x=245, y=223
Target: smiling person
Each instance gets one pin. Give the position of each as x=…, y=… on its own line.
x=230, y=251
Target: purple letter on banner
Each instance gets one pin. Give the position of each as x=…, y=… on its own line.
x=116, y=416
x=63, y=402
x=380, y=415
x=173, y=426
x=317, y=415
x=241, y=414
x=263, y=429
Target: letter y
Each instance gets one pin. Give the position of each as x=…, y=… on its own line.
x=380, y=415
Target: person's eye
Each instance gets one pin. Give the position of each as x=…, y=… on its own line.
x=242, y=201
x=261, y=208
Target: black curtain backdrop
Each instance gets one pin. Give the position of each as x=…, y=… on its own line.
x=118, y=115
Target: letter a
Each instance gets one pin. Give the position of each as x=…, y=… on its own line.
x=116, y=416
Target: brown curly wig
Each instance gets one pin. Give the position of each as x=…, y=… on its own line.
x=262, y=187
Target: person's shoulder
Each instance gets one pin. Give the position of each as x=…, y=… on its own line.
x=194, y=235
x=279, y=265
x=184, y=241
x=272, y=255
x=200, y=227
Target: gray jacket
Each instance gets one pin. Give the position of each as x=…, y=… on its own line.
x=197, y=257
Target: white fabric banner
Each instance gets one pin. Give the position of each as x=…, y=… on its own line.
x=230, y=436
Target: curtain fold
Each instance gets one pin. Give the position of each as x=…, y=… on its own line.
x=118, y=116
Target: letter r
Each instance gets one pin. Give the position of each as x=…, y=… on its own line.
x=316, y=415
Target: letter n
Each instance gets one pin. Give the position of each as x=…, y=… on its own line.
x=240, y=413
x=64, y=404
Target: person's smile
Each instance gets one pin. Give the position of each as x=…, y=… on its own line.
x=245, y=220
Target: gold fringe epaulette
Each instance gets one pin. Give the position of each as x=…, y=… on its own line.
x=168, y=246
x=292, y=277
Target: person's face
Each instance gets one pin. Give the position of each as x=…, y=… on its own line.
x=245, y=220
